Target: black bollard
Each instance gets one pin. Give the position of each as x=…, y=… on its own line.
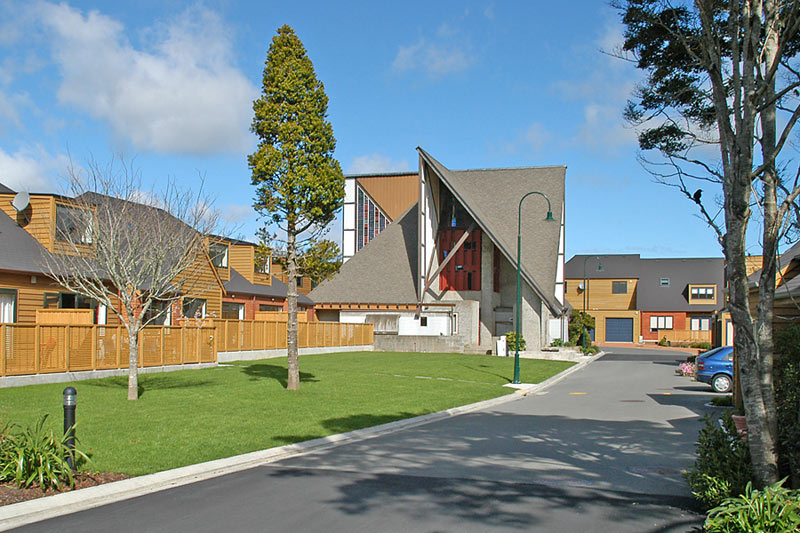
x=70, y=400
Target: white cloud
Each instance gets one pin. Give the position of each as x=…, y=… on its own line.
x=445, y=52
x=604, y=128
x=182, y=94
x=536, y=136
x=236, y=213
x=30, y=169
x=366, y=164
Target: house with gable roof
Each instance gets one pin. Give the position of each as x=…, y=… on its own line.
x=442, y=274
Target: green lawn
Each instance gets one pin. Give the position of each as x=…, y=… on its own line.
x=191, y=416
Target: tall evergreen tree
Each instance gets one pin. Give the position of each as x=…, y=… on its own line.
x=299, y=184
x=725, y=73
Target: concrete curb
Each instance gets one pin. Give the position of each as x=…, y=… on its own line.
x=28, y=512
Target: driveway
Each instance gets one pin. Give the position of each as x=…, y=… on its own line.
x=602, y=450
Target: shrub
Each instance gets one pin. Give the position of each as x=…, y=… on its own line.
x=579, y=324
x=557, y=342
x=591, y=350
x=35, y=455
x=723, y=401
x=722, y=468
x=511, y=341
x=787, y=399
x=663, y=341
x=701, y=345
x=773, y=509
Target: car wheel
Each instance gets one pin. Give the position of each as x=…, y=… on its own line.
x=722, y=383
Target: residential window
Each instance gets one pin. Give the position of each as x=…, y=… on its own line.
x=8, y=306
x=262, y=266
x=159, y=313
x=660, y=322
x=700, y=323
x=68, y=300
x=423, y=321
x=455, y=324
x=267, y=307
x=619, y=287
x=702, y=293
x=219, y=254
x=194, y=308
x=74, y=224
x=664, y=282
x=232, y=311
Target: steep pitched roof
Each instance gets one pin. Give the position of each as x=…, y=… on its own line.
x=5, y=190
x=22, y=253
x=614, y=266
x=492, y=196
x=239, y=285
x=384, y=271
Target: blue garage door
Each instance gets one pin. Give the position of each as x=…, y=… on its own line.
x=619, y=330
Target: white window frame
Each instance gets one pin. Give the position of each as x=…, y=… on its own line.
x=661, y=322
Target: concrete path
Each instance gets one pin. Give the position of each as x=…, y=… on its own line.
x=601, y=450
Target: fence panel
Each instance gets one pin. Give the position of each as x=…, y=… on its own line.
x=37, y=349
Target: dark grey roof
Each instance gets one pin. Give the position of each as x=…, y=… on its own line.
x=492, y=196
x=384, y=271
x=381, y=174
x=239, y=285
x=600, y=266
x=20, y=251
x=651, y=296
x=792, y=254
x=5, y=190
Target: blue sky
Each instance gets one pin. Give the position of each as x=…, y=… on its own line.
x=477, y=84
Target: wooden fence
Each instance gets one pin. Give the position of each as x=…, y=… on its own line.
x=685, y=335
x=242, y=335
x=41, y=349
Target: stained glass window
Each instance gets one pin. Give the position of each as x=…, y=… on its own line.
x=371, y=221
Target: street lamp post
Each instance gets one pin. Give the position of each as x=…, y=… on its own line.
x=548, y=218
x=585, y=294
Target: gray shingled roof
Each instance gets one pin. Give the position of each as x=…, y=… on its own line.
x=614, y=266
x=21, y=252
x=492, y=197
x=383, y=272
x=239, y=285
x=651, y=296
x=5, y=190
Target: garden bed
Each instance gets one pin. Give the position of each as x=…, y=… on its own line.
x=10, y=493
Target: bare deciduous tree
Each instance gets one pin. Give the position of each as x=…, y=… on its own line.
x=134, y=251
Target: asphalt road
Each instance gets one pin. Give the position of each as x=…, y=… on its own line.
x=602, y=450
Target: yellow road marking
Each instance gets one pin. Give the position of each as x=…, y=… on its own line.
x=576, y=393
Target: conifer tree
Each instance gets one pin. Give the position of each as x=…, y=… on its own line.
x=299, y=184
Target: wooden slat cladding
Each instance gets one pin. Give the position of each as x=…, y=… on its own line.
x=203, y=283
x=600, y=294
x=30, y=296
x=38, y=219
x=242, y=259
x=393, y=194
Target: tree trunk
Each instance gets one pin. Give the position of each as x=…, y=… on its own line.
x=293, y=379
x=133, y=364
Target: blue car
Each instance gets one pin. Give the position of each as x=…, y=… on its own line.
x=715, y=367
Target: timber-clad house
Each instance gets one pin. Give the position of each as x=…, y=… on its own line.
x=232, y=283
x=430, y=257
x=647, y=300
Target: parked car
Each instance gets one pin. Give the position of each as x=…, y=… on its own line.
x=715, y=367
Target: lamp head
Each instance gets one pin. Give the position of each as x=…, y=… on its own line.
x=549, y=217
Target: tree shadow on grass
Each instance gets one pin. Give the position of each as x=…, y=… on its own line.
x=150, y=382
x=477, y=368
x=276, y=372
x=344, y=424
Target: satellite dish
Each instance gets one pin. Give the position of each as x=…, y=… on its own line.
x=581, y=286
x=21, y=201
